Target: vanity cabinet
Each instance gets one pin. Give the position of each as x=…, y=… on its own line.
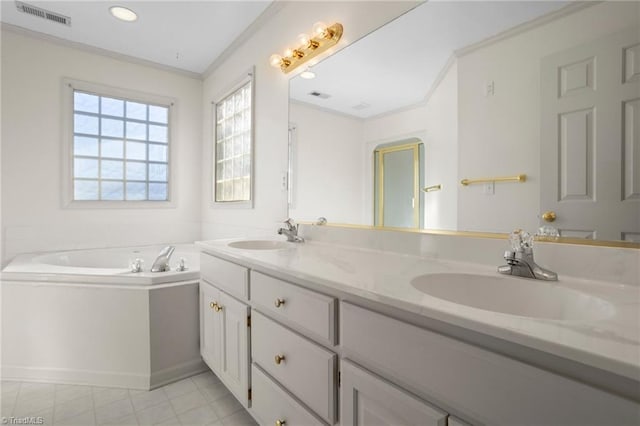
x=224, y=324
x=367, y=399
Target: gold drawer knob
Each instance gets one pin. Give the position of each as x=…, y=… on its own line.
x=217, y=308
x=279, y=359
x=279, y=302
x=213, y=305
x=280, y=422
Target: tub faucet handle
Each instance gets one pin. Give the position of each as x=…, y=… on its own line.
x=136, y=265
x=182, y=266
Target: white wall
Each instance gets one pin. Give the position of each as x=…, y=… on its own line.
x=504, y=130
x=435, y=123
x=32, y=215
x=327, y=165
x=271, y=103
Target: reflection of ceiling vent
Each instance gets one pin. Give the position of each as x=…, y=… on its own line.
x=319, y=95
x=361, y=105
x=42, y=13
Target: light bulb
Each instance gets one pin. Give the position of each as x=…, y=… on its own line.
x=304, y=39
x=123, y=13
x=308, y=74
x=275, y=60
x=288, y=53
x=319, y=29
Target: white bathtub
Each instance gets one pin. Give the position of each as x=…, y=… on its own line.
x=103, y=266
x=81, y=317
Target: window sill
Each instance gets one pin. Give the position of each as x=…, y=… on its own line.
x=99, y=205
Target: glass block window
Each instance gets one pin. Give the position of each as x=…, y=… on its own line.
x=120, y=149
x=233, y=146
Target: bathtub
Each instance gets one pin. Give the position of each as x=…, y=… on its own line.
x=82, y=317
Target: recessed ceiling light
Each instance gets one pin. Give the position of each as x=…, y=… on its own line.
x=123, y=13
x=308, y=74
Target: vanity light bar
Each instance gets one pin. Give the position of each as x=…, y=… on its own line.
x=323, y=38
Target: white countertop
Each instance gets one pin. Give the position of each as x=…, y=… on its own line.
x=611, y=344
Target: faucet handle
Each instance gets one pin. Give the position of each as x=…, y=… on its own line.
x=520, y=240
x=291, y=225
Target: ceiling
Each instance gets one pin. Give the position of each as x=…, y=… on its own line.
x=187, y=35
x=397, y=65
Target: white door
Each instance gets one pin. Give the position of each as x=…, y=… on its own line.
x=370, y=401
x=234, y=369
x=210, y=331
x=590, y=138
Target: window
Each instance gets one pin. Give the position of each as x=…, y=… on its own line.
x=120, y=148
x=233, y=145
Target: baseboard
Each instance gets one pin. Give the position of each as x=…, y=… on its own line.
x=75, y=377
x=177, y=372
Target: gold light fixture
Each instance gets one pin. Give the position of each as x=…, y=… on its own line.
x=321, y=39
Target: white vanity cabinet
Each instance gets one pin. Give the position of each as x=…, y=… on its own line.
x=224, y=325
x=370, y=400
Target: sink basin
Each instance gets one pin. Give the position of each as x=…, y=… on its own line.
x=515, y=296
x=259, y=244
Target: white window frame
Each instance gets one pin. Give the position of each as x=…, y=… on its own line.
x=248, y=76
x=68, y=201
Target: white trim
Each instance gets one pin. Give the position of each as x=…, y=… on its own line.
x=247, y=76
x=265, y=17
x=68, y=86
x=97, y=50
x=76, y=377
x=177, y=372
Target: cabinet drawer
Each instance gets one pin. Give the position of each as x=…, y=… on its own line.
x=307, y=370
x=365, y=397
x=270, y=403
x=486, y=386
x=303, y=309
x=228, y=276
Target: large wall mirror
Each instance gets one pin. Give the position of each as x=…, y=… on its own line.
x=543, y=94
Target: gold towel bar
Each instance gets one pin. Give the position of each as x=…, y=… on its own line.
x=519, y=178
x=432, y=188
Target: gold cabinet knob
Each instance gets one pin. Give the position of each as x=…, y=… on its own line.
x=279, y=302
x=549, y=216
x=280, y=422
x=279, y=359
x=213, y=305
x=217, y=308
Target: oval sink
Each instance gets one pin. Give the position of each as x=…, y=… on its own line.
x=259, y=245
x=508, y=295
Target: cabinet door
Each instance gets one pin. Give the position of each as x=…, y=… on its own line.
x=210, y=330
x=368, y=400
x=234, y=367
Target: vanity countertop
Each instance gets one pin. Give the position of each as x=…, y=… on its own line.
x=611, y=344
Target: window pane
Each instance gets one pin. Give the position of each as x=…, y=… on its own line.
x=136, y=130
x=85, y=102
x=85, y=168
x=85, y=146
x=157, y=191
x=85, y=124
x=157, y=152
x=157, y=133
x=136, y=171
x=110, y=169
x=112, y=148
x=158, y=114
x=112, y=190
x=111, y=127
x=136, y=191
x=158, y=172
x=112, y=106
x=136, y=110
x=85, y=189
x=136, y=151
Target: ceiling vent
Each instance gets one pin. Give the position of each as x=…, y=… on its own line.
x=42, y=13
x=361, y=106
x=319, y=95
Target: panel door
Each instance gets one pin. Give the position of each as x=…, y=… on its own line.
x=369, y=400
x=210, y=330
x=590, y=147
x=234, y=366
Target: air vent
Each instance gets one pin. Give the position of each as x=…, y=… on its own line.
x=320, y=95
x=361, y=105
x=42, y=13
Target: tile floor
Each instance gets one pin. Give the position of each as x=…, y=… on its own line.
x=198, y=400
